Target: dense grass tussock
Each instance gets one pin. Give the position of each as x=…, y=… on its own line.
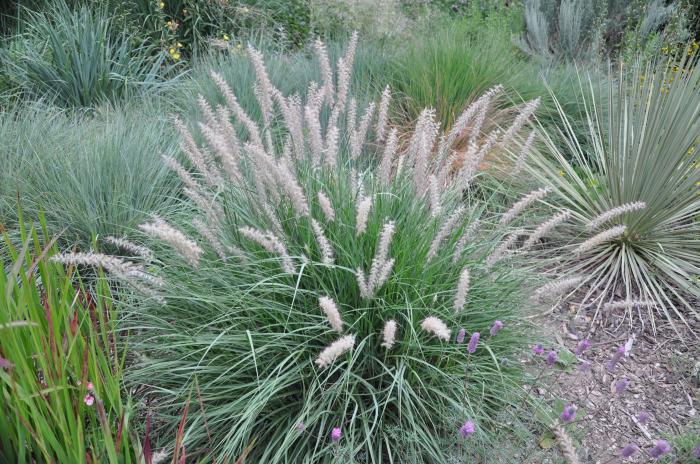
x=633, y=198
x=60, y=371
x=315, y=314
x=90, y=174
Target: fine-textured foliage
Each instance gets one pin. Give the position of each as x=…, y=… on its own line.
x=297, y=321
x=90, y=174
x=61, y=396
x=634, y=197
x=77, y=59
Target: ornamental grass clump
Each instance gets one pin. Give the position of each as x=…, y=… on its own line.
x=340, y=291
x=633, y=197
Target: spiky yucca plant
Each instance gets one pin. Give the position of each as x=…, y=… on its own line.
x=331, y=269
x=634, y=196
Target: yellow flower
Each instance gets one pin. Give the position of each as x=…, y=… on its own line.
x=562, y=173
x=691, y=150
x=239, y=46
x=697, y=183
x=664, y=50
x=179, y=45
x=227, y=37
x=172, y=51
x=176, y=56
x=162, y=5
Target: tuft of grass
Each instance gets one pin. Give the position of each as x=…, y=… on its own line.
x=56, y=337
x=91, y=174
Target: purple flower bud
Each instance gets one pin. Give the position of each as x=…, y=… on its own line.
x=460, y=335
x=621, y=386
x=467, y=429
x=585, y=366
x=660, y=448
x=537, y=349
x=610, y=366
x=582, y=346
x=552, y=358
x=498, y=325
x=696, y=451
x=629, y=450
x=569, y=413
x=473, y=342
x=301, y=427
x=335, y=434
x=643, y=417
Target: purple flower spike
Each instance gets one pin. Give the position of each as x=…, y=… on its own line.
x=552, y=358
x=643, y=417
x=629, y=450
x=537, y=349
x=610, y=366
x=498, y=325
x=621, y=385
x=696, y=451
x=660, y=448
x=582, y=346
x=467, y=429
x=460, y=335
x=569, y=413
x=473, y=342
x=335, y=434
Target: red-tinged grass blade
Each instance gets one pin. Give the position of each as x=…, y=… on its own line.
x=181, y=434
x=246, y=452
x=147, y=451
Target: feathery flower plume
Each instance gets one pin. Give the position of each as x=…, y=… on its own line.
x=332, y=313
x=621, y=385
x=264, y=85
x=388, y=156
x=381, y=266
x=523, y=203
x=460, y=336
x=524, y=153
x=358, y=137
x=197, y=157
x=389, y=334
x=421, y=145
x=545, y=228
x=628, y=451
x=582, y=346
x=288, y=181
x=271, y=244
x=554, y=289
x=626, y=304
x=436, y=327
x=462, y=242
x=465, y=118
x=521, y=119
x=383, y=116
x=362, y=210
x=569, y=413
x=209, y=235
x=661, y=447
x=181, y=172
x=566, y=444
x=331, y=150
x=601, y=238
x=500, y=252
x=537, y=350
x=129, y=247
x=187, y=248
x=619, y=354
x=447, y=227
x=313, y=126
x=223, y=150
x=326, y=72
x=462, y=290
x=434, y=196
x=473, y=342
x=325, y=203
x=471, y=165
x=498, y=325
x=323, y=243
x=615, y=212
x=552, y=358
x=467, y=429
x=208, y=204
x=237, y=109
x=335, y=350
x=117, y=266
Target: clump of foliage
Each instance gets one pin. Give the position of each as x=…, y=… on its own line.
x=91, y=174
x=633, y=196
x=60, y=371
x=76, y=58
x=315, y=315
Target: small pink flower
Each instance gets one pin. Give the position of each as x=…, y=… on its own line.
x=90, y=386
x=467, y=429
x=301, y=427
x=335, y=434
x=89, y=400
x=537, y=349
x=79, y=382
